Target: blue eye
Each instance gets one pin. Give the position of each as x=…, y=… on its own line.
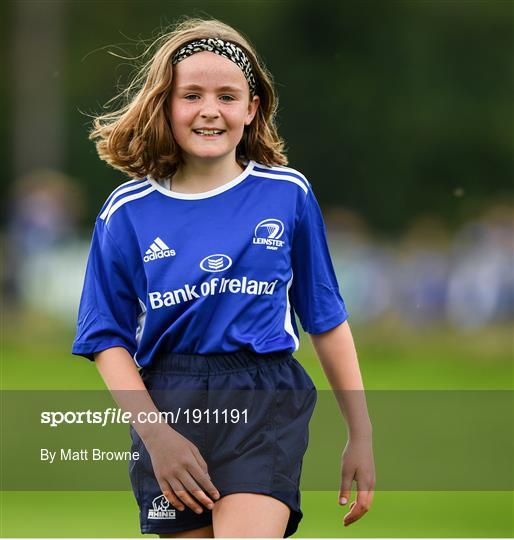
x=230, y=98
x=190, y=96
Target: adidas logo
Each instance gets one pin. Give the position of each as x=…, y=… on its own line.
x=158, y=250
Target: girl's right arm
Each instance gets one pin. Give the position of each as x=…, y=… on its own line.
x=187, y=471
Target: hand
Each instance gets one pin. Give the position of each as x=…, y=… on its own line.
x=186, y=472
x=357, y=463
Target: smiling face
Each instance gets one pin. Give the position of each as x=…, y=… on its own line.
x=210, y=92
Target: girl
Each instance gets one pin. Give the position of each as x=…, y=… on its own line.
x=194, y=271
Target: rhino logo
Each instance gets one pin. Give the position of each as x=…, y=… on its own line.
x=161, y=509
x=160, y=503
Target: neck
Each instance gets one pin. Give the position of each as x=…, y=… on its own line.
x=199, y=175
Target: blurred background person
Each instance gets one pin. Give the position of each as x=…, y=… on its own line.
x=44, y=211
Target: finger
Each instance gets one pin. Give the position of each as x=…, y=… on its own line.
x=350, y=517
x=185, y=497
x=358, y=508
x=204, y=480
x=367, y=497
x=190, y=484
x=201, y=462
x=167, y=491
x=355, y=514
x=346, y=487
x=365, y=487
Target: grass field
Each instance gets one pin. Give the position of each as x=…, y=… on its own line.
x=35, y=355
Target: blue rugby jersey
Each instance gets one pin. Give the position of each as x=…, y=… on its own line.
x=209, y=272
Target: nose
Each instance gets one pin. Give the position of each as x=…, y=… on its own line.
x=210, y=108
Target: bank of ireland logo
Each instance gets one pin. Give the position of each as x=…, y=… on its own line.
x=268, y=233
x=161, y=509
x=216, y=263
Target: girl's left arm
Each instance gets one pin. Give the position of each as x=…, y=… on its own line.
x=338, y=357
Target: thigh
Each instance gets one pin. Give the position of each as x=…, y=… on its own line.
x=249, y=515
x=203, y=532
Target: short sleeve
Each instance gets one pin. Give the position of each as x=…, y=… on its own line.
x=314, y=291
x=108, y=305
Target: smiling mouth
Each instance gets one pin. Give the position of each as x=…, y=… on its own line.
x=208, y=132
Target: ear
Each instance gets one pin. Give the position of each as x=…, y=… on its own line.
x=253, y=105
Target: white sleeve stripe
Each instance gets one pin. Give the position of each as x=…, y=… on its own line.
x=284, y=170
x=118, y=194
x=128, y=183
x=281, y=177
x=122, y=186
x=126, y=200
x=292, y=171
x=288, y=325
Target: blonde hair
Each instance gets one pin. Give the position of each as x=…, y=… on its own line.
x=137, y=137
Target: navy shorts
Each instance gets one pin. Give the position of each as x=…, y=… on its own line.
x=247, y=413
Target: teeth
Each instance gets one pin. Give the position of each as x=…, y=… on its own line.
x=208, y=131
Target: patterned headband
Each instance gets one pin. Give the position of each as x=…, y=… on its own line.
x=224, y=48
